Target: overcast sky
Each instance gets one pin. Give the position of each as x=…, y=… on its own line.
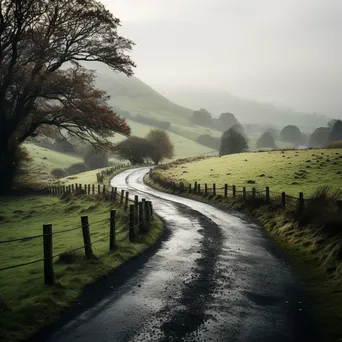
x=287, y=52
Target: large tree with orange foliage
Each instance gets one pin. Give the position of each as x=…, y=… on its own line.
x=43, y=85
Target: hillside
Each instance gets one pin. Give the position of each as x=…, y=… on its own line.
x=246, y=111
x=136, y=97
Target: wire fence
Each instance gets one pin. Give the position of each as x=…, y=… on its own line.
x=253, y=195
x=138, y=220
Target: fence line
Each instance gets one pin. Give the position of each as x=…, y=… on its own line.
x=142, y=218
x=231, y=191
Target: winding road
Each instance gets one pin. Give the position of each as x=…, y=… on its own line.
x=215, y=277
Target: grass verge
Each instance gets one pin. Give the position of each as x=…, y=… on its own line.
x=26, y=304
x=316, y=255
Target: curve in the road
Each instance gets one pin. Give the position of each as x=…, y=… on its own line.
x=216, y=278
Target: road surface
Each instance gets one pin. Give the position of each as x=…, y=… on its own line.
x=215, y=277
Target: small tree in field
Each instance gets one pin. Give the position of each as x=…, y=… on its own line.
x=291, y=133
x=162, y=146
x=136, y=150
x=266, y=140
x=232, y=142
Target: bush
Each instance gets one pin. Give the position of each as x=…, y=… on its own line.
x=95, y=159
x=335, y=144
x=77, y=168
x=59, y=173
x=209, y=141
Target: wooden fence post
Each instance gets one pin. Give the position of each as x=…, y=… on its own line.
x=115, y=193
x=73, y=188
x=214, y=189
x=86, y=237
x=98, y=189
x=112, y=229
x=267, y=194
x=141, y=217
x=93, y=189
x=205, y=189
x=131, y=222
x=48, y=265
x=126, y=200
x=253, y=194
x=147, y=213
x=283, y=199
x=104, y=191
x=136, y=203
x=88, y=189
x=112, y=194
x=122, y=196
x=234, y=191
x=195, y=188
x=226, y=190
x=301, y=201
x=189, y=188
x=244, y=193
x=199, y=188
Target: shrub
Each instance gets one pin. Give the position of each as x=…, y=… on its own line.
x=59, y=173
x=335, y=144
x=95, y=159
x=209, y=141
x=77, y=168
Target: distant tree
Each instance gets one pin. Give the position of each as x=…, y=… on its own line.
x=226, y=121
x=239, y=128
x=209, y=141
x=273, y=131
x=291, y=133
x=136, y=150
x=331, y=123
x=202, y=117
x=320, y=137
x=162, y=147
x=94, y=158
x=232, y=142
x=336, y=131
x=266, y=140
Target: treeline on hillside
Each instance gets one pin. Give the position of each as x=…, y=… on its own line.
x=144, y=119
x=203, y=118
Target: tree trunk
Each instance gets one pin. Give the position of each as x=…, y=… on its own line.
x=7, y=167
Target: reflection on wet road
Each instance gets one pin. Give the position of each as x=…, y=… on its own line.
x=215, y=278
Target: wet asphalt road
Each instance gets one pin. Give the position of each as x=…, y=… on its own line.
x=214, y=278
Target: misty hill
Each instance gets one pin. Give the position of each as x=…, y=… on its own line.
x=246, y=111
x=134, y=96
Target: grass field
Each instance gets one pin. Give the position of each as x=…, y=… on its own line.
x=30, y=303
x=289, y=171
